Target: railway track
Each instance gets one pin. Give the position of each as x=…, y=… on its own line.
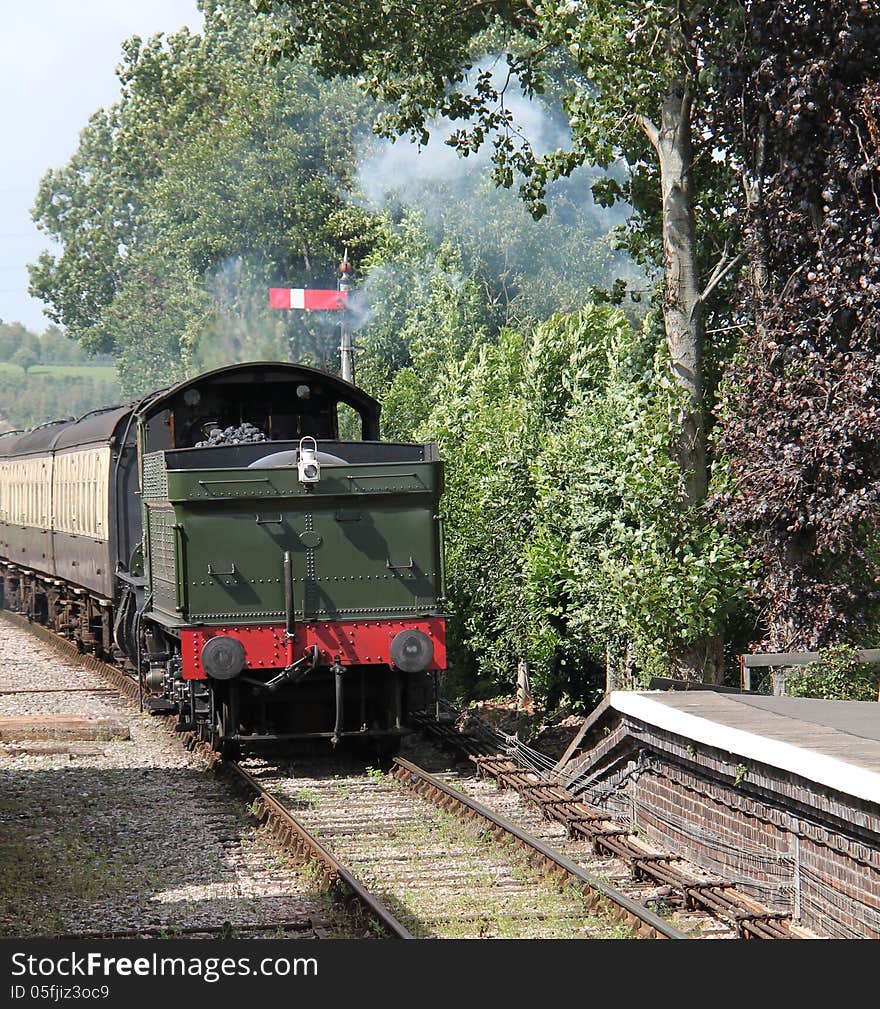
x=324, y=843
x=292, y=837
x=358, y=812
x=624, y=854
x=444, y=874
x=597, y=895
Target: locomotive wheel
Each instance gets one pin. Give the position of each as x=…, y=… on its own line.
x=228, y=749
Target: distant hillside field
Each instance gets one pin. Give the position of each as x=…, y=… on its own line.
x=99, y=372
x=50, y=392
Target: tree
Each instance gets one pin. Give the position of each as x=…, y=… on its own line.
x=565, y=545
x=13, y=337
x=628, y=80
x=800, y=421
x=26, y=358
x=58, y=348
x=212, y=179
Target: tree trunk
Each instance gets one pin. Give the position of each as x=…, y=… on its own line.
x=524, y=700
x=756, y=240
x=685, y=326
x=682, y=302
x=702, y=662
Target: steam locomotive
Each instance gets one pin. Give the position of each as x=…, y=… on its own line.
x=261, y=577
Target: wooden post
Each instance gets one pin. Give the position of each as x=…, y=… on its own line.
x=523, y=687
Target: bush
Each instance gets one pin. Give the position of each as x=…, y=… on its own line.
x=838, y=676
x=565, y=528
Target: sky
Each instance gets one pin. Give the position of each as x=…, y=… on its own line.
x=57, y=66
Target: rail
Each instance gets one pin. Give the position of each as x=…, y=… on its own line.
x=598, y=895
x=293, y=837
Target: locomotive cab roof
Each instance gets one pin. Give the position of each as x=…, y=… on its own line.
x=283, y=401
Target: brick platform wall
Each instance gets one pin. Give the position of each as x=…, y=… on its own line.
x=792, y=844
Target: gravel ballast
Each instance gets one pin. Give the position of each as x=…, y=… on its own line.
x=125, y=834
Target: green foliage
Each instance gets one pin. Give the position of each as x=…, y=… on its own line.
x=484, y=438
x=215, y=177
x=159, y=316
x=25, y=358
x=15, y=337
x=631, y=565
x=838, y=676
x=51, y=347
x=46, y=376
x=600, y=56
x=608, y=66
x=211, y=180
x=427, y=311
x=563, y=526
x=466, y=266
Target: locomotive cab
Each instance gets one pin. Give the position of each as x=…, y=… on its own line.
x=279, y=402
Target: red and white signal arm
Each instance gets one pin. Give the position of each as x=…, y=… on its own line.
x=307, y=298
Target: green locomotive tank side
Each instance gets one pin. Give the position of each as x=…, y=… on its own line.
x=364, y=543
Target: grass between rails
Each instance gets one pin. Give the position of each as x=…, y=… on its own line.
x=445, y=878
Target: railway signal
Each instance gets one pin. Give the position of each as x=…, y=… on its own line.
x=310, y=299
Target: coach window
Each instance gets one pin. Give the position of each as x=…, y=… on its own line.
x=16, y=494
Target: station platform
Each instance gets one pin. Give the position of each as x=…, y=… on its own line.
x=833, y=743
x=778, y=795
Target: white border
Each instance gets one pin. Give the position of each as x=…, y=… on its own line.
x=818, y=767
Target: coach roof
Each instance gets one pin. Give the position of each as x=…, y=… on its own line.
x=92, y=428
